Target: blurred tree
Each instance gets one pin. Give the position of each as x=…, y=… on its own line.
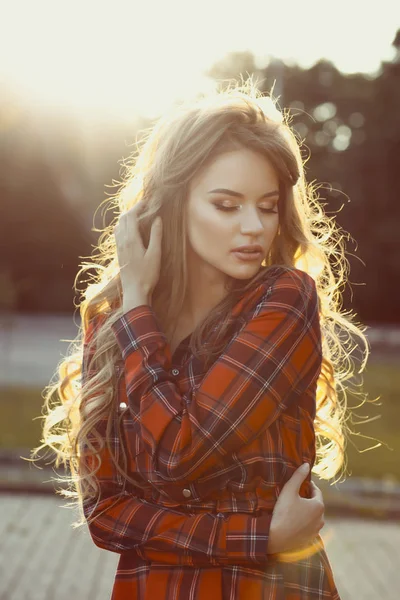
x=232, y=64
x=350, y=129
x=41, y=237
x=8, y=292
x=53, y=173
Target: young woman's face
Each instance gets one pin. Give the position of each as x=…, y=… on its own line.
x=251, y=196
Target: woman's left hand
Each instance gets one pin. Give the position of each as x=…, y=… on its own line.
x=139, y=267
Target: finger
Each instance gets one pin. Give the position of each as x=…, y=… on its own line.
x=132, y=233
x=138, y=207
x=154, y=247
x=314, y=485
x=297, y=478
x=316, y=493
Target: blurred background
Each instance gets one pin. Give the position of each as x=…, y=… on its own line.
x=78, y=81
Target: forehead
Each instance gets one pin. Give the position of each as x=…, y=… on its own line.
x=239, y=168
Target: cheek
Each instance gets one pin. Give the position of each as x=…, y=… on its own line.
x=207, y=227
x=274, y=226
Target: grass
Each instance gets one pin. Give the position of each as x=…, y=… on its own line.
x=20, y=427
x=18, y=407
x=381, y=379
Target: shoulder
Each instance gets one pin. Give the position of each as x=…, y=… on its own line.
x=283, y=294
x=287, y=293
x=291, y=280
x=280, y=287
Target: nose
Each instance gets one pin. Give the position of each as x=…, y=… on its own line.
x=250, y=221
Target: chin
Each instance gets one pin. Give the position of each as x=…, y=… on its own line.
x=245, y=273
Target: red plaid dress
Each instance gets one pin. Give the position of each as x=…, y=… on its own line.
x=213, y=449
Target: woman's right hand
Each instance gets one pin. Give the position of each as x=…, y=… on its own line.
x=296, y=521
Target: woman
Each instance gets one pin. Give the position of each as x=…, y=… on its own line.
x=209, y=373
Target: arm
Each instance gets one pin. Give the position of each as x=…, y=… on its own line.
x=173, y=538
x=269, y=364
x=122, y=522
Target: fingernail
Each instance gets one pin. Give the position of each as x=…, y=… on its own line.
x=305, y=467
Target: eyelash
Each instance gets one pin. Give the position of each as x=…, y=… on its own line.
x=230, y=208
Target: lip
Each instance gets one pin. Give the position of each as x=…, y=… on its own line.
x=250, y=248
x=247, y=256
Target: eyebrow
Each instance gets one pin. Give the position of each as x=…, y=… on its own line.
x=238, y=195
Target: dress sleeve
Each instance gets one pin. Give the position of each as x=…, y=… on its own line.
x=121, y=522
x=273, y=359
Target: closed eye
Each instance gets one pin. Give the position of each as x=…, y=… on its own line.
x=230, y=208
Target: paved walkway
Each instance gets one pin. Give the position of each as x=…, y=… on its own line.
x=43, y=558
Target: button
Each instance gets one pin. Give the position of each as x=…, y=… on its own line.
x=187, y=493
x=220, y=515
x=175, y=372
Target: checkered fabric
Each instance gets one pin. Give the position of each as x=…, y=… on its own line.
x=212, y=448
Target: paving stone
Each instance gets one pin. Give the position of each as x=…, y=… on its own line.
x=42, y=557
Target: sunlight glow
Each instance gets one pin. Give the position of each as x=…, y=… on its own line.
x=123, y=58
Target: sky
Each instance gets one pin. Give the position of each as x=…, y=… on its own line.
x=121, y=57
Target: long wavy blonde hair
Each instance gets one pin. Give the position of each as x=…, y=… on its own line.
x=181, y=143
